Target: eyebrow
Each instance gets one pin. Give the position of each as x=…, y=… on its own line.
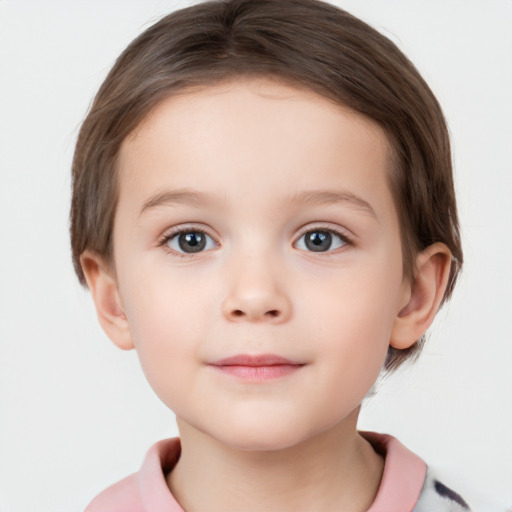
x=180, y=196
x=321, y=197
x=314, y=197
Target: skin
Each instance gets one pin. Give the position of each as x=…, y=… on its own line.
x=275, y=163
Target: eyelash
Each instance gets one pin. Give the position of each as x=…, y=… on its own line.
x=169, y=235
x=347, y=241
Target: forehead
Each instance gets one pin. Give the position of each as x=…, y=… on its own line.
x=259, y=137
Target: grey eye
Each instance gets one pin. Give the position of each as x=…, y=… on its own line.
x=191, y=242
x=319, y=240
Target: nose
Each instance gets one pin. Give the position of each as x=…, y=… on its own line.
x=255, y=295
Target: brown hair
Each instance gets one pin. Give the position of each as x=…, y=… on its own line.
x=306, y=43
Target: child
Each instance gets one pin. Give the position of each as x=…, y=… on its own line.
x=263, y=207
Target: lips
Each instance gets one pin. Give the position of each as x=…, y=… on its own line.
x=257, y=360
x=256, y=367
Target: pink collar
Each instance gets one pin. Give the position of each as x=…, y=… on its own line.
x=402, y=480
x=403, y=477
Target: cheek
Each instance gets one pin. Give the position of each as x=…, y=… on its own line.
x=357, y=342
x=355, y=319
x=160, y=304
x=170, y=315
x=360, y=302
x=164, y=326
x=354, y=351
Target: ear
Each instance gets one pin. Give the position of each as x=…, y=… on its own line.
x=422, y=296
x=103, y=287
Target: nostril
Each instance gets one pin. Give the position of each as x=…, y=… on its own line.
x=273, y=313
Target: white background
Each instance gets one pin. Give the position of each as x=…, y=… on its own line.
x=76, y=413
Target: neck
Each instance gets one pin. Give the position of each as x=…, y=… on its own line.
x=337, y=470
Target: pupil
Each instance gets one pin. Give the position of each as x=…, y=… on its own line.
x=192, y=242
x=318, y=241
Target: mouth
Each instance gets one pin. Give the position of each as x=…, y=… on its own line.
x=256, y=367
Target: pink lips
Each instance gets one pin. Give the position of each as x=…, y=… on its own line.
x=256, y=368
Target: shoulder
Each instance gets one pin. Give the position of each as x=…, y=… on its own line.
x=437, y=496
x=123, y=496
x=146, y=490
x=408, y=483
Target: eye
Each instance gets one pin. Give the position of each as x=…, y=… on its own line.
x=190, y=241
x=321, y=240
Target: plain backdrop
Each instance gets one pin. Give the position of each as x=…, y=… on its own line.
x=76, y=413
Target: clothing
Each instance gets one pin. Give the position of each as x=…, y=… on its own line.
x=407, y=485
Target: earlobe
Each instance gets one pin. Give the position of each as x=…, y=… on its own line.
x=104, y=291
x=425, y=295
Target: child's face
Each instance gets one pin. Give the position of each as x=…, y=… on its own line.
x=290, y=247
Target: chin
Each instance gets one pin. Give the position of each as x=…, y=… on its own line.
x=262, y=442
x=262, y=435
